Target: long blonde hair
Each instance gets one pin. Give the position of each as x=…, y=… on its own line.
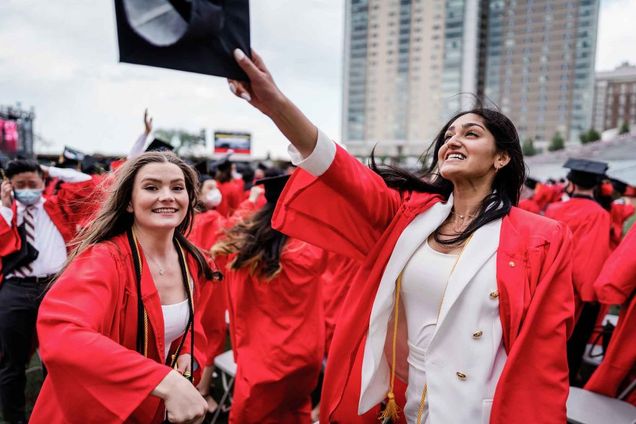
x=113, y=218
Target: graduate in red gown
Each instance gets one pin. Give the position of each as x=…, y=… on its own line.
x=207, y=227
x=616, y=285
x=231, y=193
x=527, y=201
x=276, y=318
x=493, y=346
x=119, y=329
x=590, y=226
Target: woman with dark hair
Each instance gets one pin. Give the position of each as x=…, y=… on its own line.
x=471, y=296
x=276, y=324
x=118, y=331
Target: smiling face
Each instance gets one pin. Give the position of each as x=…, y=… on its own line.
x=469, y=151
x=159, y=198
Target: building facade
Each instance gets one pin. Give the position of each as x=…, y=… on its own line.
x=615, y=98
x=411, y=64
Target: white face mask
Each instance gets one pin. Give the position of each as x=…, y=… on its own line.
x=213, y=198
x=28, y=196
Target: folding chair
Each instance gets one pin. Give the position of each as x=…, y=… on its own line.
x=226, y=365
x=585, y=407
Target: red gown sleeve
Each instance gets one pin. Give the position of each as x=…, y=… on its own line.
x=537, y=356
x=345, y=210
x=617, y=279
x=77, y=327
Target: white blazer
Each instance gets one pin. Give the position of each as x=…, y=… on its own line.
x=466, y=354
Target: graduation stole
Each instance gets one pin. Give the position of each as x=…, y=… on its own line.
x=142, y=314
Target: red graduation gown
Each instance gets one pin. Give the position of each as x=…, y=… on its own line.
x=66, y=209
x=205, y=232
x=277, y=332
x=336, y=281
x=87, y=326
x=590, y=226
x=364, y=219
x=619, y=212
x=530, y=205
x=231, y=198
x=616, y=286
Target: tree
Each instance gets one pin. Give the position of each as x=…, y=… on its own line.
x=183, y=138
x=557, y=142
x=584, y=137
x=593, y=135
x=624, y=128
x=528, y=148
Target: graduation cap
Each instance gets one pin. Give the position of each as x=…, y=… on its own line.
x=273, y=186
x=73, y=154
x=158, y=145
x=531, y=183
x=188, y=35
x=584, y=172
x=618, y=185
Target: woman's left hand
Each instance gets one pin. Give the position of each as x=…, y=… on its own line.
x=183, y=365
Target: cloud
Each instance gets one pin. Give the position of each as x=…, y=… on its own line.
x=616, y=35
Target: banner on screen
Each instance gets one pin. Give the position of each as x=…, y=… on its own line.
x=238, y=142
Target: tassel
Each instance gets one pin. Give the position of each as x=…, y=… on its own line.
x=391, y=411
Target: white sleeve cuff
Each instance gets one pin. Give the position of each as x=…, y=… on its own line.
x=68, y=175
x=7, y=214
x=319, y=160
x=138, y=147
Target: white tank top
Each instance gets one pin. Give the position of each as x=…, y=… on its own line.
x=175, y=320
x=424, y=282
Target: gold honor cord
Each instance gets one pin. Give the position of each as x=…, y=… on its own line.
x=391, y=411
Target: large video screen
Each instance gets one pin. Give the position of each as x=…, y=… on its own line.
x=238, y=142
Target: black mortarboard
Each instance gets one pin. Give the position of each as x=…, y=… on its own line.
x=584, y=172
x=188, y=35
x=531, y=183
x=619, y=186
x=274, y=184
x=73, y=154
x=158, y=145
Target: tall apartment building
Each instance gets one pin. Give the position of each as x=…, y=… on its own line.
x=615, y=98
x=411, y=64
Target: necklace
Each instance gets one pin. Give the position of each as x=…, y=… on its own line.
x=154, y=261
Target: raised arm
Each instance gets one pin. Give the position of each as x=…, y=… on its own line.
x=334, y=201
x=262, y=93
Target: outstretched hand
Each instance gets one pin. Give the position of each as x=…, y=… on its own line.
x=147, y=123
x=261, y=90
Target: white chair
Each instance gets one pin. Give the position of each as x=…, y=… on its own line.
x=585, y=407
x=226, y=365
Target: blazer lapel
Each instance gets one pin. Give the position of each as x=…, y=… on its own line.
x=481, y=247
x=410, y=239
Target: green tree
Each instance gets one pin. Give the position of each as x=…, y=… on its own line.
x=593, y=135
x=557, y=142
x=182, y=137
x=528, y=148
x=584, y=137
x=624, y=128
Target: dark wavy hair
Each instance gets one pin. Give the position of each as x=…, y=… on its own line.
x=257, y=244
x=506, y=186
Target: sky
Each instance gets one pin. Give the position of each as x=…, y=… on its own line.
x=61, y=58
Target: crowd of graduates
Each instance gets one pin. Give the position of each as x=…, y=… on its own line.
x=128, y=281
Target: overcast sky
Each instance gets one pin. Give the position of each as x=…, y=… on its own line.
x=61, y=58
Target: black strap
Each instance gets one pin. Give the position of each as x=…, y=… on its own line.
x=190, y=326
x=141, y=334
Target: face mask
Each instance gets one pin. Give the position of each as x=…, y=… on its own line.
x=214, y=198
x=28, y=197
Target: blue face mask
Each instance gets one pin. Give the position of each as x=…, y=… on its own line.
x=28, y=197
